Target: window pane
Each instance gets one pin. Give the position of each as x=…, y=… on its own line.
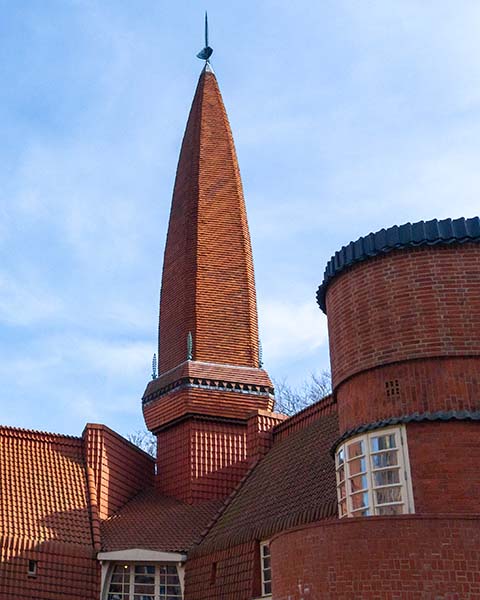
x=360, y=500
x=386, y=495
x=386, y=477
x=148, y=569
x=356, y=449
x=341, y=456
x=358, y=483
x=385, y=459
x=358, y=465
x=169, y=583
x=267, y=588
x=362, y=513
x=341, y=474
x=383, y=442
x=396, y=509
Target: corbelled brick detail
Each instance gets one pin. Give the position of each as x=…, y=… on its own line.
x=208, y=284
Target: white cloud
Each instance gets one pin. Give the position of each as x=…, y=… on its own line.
x=290, y=330
x=23, y=303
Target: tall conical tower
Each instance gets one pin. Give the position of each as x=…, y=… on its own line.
x=210, y=379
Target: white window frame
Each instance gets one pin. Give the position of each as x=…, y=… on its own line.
x=265, y=544
x=132, y=566
x=403, y=468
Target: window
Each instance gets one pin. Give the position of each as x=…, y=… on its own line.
x=373, y=474
x=144, y=582
x=32, y=567
x=266, y=569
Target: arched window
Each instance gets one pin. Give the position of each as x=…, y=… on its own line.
x=144, y=582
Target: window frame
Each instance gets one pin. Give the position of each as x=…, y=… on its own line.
x=372, y=488
x=265, y=594
x=131, y=583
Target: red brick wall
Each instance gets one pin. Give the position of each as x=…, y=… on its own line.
x=419, y=305
x=407, y=304
x=379, y=558
x=237, y=574
x=425, y=385
x=444, y=462
x=120, y=469
x=201, y=460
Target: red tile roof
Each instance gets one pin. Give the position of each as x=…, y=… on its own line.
x=43, y=487
x=294, y=484
x=155, y=522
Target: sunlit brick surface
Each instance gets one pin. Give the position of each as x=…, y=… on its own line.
x=394, y=558
x=208, y=282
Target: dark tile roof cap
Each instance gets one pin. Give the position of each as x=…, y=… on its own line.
x=423, y=233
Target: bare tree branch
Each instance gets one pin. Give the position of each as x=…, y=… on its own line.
x=290, y=400
x=144, y=440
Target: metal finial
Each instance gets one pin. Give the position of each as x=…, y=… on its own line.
x=260, y=354
x=154, y=366
x=206, y=52
x=189, y=346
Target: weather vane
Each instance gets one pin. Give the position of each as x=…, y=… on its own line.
x=206, y=52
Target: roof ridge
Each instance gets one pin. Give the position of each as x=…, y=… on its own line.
x=12, y=430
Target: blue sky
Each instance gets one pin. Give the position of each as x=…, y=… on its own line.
x=348, y=116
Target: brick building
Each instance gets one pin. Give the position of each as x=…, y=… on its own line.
x=371, y=493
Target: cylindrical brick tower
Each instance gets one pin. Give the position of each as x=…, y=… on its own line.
x=403, y=309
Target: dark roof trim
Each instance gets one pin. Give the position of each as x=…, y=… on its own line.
x=423, y=233
x=442, y=415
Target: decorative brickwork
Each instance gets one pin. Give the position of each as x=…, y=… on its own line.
x=208, y=284
x=210, y=381
x=379, y=558
x=201, y=460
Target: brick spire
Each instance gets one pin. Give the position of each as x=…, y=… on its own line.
x=208, y=284
x=210, y=385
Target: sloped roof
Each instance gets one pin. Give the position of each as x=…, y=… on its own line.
x=422, y=233
x=155, y=522
x=44, y=487
x=293, y=484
